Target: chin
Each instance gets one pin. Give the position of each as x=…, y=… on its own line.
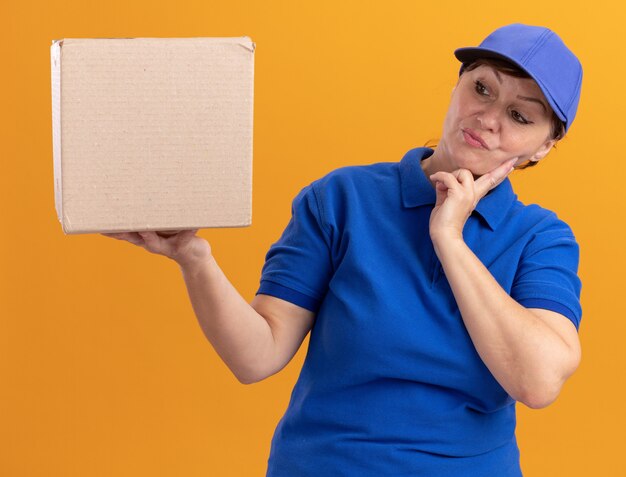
x=470, y=162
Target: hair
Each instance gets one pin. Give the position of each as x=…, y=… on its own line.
x=506, y=67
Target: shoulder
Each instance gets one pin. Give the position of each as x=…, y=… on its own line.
x=356, y=180
x=354, y=191
x=541, y=229
x=537, y=219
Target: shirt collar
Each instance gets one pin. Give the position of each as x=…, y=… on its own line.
x=417, y=190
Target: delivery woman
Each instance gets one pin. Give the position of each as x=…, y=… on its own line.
x=434, y=298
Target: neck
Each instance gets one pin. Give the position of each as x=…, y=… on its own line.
x=438, y=161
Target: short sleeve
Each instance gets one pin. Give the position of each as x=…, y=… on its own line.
x=298, y=266
x=547, y=276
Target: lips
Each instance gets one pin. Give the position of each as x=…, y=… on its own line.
x=474, y=138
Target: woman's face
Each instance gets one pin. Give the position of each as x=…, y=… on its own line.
x=493, y=118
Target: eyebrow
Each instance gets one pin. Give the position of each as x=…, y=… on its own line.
x=525, y=98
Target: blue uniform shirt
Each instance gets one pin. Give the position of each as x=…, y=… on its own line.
x=392, y=384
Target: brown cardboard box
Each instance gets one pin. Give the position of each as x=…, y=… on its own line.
x=152, y=133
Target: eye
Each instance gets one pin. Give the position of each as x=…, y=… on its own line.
x=480, y=88
x=519, y=118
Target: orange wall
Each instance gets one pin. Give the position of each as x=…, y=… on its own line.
x=103, y=368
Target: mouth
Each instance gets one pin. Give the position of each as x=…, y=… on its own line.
x=473, y=139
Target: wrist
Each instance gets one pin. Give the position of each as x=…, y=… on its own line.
x=446, y=244
x=446, y=235
x=188, y=256
x=190, y=265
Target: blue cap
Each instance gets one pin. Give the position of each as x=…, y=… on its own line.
x=543, y=55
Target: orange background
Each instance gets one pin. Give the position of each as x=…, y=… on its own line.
x=104, y=370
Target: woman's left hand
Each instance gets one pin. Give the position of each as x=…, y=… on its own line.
x=457, y=196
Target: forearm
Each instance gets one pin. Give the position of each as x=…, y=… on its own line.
x=525, y=356
x=240, y=335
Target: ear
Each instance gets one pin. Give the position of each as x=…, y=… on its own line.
x=543, y=150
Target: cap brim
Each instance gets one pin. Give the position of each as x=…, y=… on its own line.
x=465, y=55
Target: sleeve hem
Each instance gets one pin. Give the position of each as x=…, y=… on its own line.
x=552, y=306
x=288, y=294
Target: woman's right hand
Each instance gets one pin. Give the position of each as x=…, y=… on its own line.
x=182, y=246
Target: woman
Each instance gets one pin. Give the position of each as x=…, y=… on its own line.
x=435, y=299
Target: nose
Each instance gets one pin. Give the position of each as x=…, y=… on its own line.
x=489, y=118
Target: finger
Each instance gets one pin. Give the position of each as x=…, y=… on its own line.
x=491, y=179
x=118, y=235
x=466, y=178
x=440, y=186
x=133, y=237
x=167, y=233
x=186, y=235
x=151, y=239
x=187, y=232
x=446, y=178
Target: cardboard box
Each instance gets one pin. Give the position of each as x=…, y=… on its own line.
x=152, y=133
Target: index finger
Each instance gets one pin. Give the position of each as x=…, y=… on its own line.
x=491, y=179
